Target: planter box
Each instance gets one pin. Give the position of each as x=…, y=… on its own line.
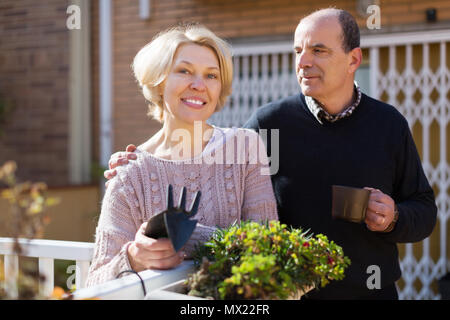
x=174, y=291
x=177, y=291
x=160, y=285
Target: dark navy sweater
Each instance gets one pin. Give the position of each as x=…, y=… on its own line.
x=371, y=148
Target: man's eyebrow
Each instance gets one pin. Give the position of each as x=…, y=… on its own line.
x=187, y=62
x=319, y=45
x=315, y=45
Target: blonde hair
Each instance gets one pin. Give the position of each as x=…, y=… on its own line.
x=152, y=63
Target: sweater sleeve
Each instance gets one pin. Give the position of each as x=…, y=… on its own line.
x=413, y=195
x=259, y=200
x=115, y=232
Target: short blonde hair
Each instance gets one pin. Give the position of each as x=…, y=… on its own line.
x=153, y=62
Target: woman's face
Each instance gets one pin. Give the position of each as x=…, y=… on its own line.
x=192, y=88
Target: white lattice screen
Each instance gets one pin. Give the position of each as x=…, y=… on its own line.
x=407, y=70
x=262, y=73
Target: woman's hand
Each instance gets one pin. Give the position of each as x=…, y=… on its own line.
x=118, y=159
x=148, y=253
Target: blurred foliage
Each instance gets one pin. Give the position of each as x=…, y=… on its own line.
x=26, y=218
x=97, y=172
x=28, y=203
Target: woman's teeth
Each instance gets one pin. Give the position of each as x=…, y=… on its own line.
x=198, y=102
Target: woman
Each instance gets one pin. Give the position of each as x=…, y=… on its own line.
x=185, y=73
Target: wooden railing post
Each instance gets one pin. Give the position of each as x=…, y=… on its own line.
x=82, y=269
x=11, y=275
x=46, y=269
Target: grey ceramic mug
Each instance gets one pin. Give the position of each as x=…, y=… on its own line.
x=349, y=203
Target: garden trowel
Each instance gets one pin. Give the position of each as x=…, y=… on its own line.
x=174, y=222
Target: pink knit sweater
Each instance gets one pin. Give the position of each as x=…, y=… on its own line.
x=229, y=173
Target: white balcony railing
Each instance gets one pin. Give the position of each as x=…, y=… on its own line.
x=126, y=287
x=46, y=251
x=131, y=288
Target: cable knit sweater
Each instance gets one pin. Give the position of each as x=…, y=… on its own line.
x=231, y=173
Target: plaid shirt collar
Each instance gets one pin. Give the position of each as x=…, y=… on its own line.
x=321, y=115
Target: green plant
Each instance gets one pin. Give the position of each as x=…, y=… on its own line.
x=250, y=260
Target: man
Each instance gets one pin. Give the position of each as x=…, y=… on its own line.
x=332, y=134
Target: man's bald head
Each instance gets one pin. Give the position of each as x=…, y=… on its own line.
x=349, y=27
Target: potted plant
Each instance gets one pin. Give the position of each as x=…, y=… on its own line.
x=249, y=260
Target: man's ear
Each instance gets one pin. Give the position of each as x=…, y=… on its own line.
x=355, y=56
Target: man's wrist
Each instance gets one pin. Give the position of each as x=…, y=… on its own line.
x=394, y=221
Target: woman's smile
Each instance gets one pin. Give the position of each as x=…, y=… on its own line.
x=194, y=102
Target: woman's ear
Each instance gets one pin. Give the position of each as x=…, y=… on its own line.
x=160, y=88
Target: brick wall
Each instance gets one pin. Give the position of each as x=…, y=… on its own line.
x=33, y=75
x=231, y=19
x=34, y=64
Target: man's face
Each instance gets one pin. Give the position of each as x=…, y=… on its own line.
x=322, y=66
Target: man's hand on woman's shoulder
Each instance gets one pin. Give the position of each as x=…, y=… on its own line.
x=118, y=159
